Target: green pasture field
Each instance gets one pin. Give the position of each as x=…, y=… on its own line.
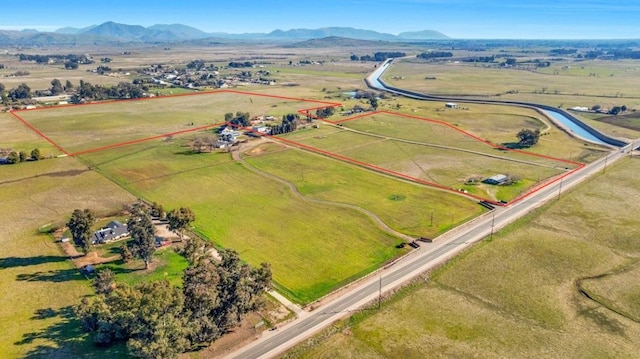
x=614, y=82
x=312, y=248
x=408, y=208
x=516, y=295
x=79, y=128
x=39, y=284
x=448, y=167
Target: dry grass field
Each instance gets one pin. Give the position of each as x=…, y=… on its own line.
x=81, y=128
x=569, y=83
x=430, y=152
x=516, y=296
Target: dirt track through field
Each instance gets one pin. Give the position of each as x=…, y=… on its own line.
x=237, y=156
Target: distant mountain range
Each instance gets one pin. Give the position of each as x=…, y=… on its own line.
x=111, y=32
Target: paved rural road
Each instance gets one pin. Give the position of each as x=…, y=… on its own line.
x=273, y=343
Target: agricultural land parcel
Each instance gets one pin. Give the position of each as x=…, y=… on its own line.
x=82, y=128
x=39, y=285
x=432, y=152
x=569, y=83
x=518, y=295
x=258, y=217
x=139, y=169
x=68, y=296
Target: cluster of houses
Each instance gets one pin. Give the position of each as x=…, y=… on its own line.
x=204, y=77
x=230, y=136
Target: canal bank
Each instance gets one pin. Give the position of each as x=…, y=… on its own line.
x=561, y=118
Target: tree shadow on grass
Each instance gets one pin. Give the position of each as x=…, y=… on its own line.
x=65, y=338
x=10, y=262
x=55, y=276
x=514, y=146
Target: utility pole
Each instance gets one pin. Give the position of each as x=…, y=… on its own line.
x=493, y=222
x=380, y=292
x=560, y=189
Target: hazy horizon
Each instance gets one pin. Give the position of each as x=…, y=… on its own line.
x=459, y=19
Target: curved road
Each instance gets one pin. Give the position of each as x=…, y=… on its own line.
x=274, y=343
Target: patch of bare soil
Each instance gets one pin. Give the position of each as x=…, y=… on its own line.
x=251, y=328
x=245, y=333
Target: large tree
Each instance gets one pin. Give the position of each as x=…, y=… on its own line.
x=240, y=288
x=36, y=155
x=56, y=87
x=528, y=137
x=20, y=93
x=160, y=321
x=149, y=317
x=143, y=233
x=160, y=328
x=200, y=288
x=80, y=227
x=104, y=281
x=180, y=219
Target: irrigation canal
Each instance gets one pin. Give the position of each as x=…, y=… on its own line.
x=562, y=118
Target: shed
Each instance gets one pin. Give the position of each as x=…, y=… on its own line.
x=497, y=179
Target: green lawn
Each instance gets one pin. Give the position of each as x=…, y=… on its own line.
x=167, y=264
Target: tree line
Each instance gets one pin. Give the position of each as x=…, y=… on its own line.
x=45, y=59
x=85, y=91
x=123, y=90
x=158, y=320
x=378, y=56
x=13, y=157
x=434, y=54
x=236, y=64
x=289, y=124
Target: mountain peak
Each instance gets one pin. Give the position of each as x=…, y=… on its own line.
x=166, y=33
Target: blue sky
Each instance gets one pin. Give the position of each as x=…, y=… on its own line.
x=516, y=19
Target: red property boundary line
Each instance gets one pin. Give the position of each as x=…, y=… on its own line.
x=307, y=112
x=433, y=184
x=30, y=126
x=145, y=139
